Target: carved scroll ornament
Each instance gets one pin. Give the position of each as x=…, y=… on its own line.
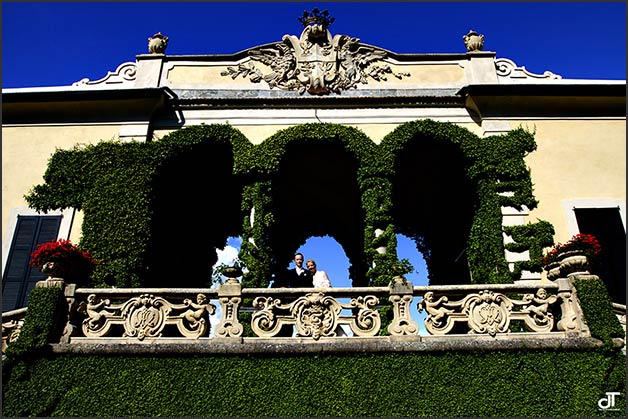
x=488, y=312
x=315, y=315
x=315, y=62
x=145, y=316
x=507, y=69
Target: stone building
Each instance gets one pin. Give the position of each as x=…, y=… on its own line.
x=481, y=162
x=577, y=169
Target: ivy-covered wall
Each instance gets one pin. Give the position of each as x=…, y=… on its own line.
x=526, y=382
x=129, y=191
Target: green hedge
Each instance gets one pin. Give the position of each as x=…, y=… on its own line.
x=120, y=189
x=535, y=383
x=548, y=383
x=597, y=308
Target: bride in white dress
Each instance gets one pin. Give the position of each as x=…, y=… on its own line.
x=319, y=278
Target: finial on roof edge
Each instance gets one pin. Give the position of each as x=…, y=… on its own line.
x=157, y=44
x=473, y=41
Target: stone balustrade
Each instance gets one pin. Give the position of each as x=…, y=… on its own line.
x=12, y=322
x=531, y=309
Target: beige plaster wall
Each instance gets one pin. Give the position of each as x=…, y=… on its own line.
x=575, y=160
x=421, y=75
x=25, y=155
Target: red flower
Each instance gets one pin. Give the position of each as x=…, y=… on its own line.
x=74, y=264
x=587, y=243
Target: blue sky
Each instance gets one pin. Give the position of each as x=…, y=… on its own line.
x=56, y=44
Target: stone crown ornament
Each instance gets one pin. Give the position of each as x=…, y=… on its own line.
x=315, y=62
x=316, y=18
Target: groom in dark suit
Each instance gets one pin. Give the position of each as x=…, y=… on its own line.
x=298, y=277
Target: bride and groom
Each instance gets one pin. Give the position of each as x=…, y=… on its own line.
x=300, y=277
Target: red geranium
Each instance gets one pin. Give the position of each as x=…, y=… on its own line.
x=587, y=243
x=73, y=264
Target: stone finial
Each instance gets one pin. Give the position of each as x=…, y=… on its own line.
x=157, y=44
x=473, y=41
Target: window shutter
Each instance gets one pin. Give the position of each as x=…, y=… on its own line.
x=19, y=277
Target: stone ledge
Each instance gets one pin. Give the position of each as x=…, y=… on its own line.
x=115, y=346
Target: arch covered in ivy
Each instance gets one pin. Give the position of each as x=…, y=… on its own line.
x=309, y=182
x=146, y=214
x=124, y=189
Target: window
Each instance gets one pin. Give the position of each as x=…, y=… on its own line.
x=606, y=224
x=18, y=277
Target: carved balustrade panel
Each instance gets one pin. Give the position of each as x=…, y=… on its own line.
x=489, y=311
x=12, y=322
x=317, y=313
x=144, y=313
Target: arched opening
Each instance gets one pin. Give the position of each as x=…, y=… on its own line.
x=330, y=257
x=316, y=194
x=407, y=249
x=184, y=233
x=433, y=203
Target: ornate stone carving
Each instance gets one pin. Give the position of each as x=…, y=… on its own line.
x=124, y=75
x=157, y=44
x=473, y=41
x=488, y=312
x=11, y=331
x=402, y=323
x=315, y=315
x=229, y=326
x=145, y=316
x=509, y=70
x=315, y=62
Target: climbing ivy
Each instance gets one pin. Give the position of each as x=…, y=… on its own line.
x=113, y=183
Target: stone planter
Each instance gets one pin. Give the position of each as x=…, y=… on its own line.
x=232, y=273
x=570, y=263
x=55, y=273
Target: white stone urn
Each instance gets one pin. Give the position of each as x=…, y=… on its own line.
x=232, y=273
x=53, y=270
x=569, y=263
x=473, y=41
x=157, y=44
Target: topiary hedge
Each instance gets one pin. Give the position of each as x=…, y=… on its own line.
x=548, y=383
x=117, y=186
x=526, y=382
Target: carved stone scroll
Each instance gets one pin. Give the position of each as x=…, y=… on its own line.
x=488, y=312
x=509, y=70
x=402, y=323
x=145, y=316
x=11, y=331
x=229, y=326
x=125, y=74
x=315, y=315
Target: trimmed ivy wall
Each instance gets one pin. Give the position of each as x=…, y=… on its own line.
x=114, y=184
x=525, y=382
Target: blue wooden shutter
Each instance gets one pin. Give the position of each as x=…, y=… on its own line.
x=19, y=278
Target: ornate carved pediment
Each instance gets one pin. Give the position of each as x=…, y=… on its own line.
x=315, y=62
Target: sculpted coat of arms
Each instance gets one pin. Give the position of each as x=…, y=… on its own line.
x=315, y=62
